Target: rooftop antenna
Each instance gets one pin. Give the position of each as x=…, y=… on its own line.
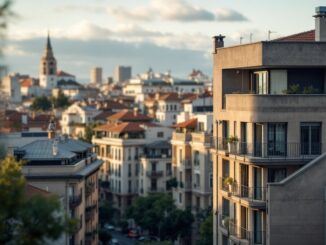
x=250, y=37
x=269, y=34
x=241, y=38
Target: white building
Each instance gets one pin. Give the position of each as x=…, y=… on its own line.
x=76, y=117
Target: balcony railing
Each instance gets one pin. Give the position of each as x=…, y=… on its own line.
x=90, y=188
x=154, y=174
x=242, y=191
x=239, y=232
x=186, y=164
x=181, y=136
x=155, y=190
x=75, y=200
x=280, y=150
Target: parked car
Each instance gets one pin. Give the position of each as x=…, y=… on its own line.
x=133, y=233
x=115, y=241
x=108, y=227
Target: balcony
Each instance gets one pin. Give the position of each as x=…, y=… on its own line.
x=255, y=196
x=277, y=151
x=154, y=174
x=155, y=190
x=90, y=212
x=271, y=103
x=201, y=137
x=186, y=164
x=90, y=188
x=75, y=201
x=184, y=137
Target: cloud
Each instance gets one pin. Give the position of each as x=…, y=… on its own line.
x=107, y=54
x=174, y=10
x=229, y=15
x=130, y=33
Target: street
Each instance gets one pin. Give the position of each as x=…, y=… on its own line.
x=123, y=240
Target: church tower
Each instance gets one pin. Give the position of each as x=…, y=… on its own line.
x=48, y=67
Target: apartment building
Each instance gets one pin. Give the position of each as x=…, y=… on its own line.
x=10, y=87
x=120, y=145
x=192, y=165
x=69, y=169
x=75, y=119
x=269, y=102
x=155, y=168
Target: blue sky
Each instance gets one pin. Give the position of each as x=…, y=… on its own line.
x=163, y=34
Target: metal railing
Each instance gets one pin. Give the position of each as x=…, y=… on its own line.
x=270, y=150
x=186, y=164
x=242, y=191
x=154, y=174
x=75, y=200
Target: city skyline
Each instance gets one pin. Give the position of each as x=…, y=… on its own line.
x=143, y=34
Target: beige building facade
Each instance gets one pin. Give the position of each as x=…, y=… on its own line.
x=69, y=169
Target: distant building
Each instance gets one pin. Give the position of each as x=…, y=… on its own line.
x=48, y=67
x=10, y=86
x=69, y=169
x=96, y=75
x=122, y=73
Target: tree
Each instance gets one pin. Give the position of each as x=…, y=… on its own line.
x=107, y=213
x=104, y=236
x=41, y=103
x=61, y=101
x=158, y=214
x=206, y=231
x=89, y=132
x=27, y=220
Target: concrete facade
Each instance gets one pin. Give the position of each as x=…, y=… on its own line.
x=262, y=131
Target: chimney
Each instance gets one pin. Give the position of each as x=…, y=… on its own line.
x=320, y=24
x=51, y=129
x=218, y=42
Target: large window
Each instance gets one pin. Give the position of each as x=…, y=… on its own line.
x=277, y=139
x=276, y=174
x=260, y=79
x=310, y=138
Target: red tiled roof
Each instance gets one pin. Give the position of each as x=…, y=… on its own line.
x=129, y=116
x=125, y=127
x=31, y=190
x=169, y=97
x=28, y=82
x=307, y=36
x=103, y=115
x=191, y=123
x=61, y=73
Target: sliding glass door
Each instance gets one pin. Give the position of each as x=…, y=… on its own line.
x=310, y=138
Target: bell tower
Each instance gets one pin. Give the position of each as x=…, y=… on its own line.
x=48, y=67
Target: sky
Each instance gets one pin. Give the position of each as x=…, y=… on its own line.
x=166, y=35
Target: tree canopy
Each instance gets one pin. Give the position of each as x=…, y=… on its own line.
x=44, y=103
x=27, y=220
x=158, y=214
x=206, y=231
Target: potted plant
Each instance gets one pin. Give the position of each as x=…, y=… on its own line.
x=232, y=143
x=228, y=182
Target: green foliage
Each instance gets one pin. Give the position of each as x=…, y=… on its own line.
x=89, y=132
x=232, y=139
x=154, y=243
x=41, y=103
x=206, y=231
x=171, y=183
x=107, y=213
x=5, y=14
x=104, y=236
x=310, y=90
x=293, y=89
x=27, y=219
x=61, y=101
x=158, y=214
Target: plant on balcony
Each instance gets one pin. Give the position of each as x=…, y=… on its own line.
x=226, y=221
x=232, y=143
x=293, y=89
x=228, y=183
x=310, y=90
